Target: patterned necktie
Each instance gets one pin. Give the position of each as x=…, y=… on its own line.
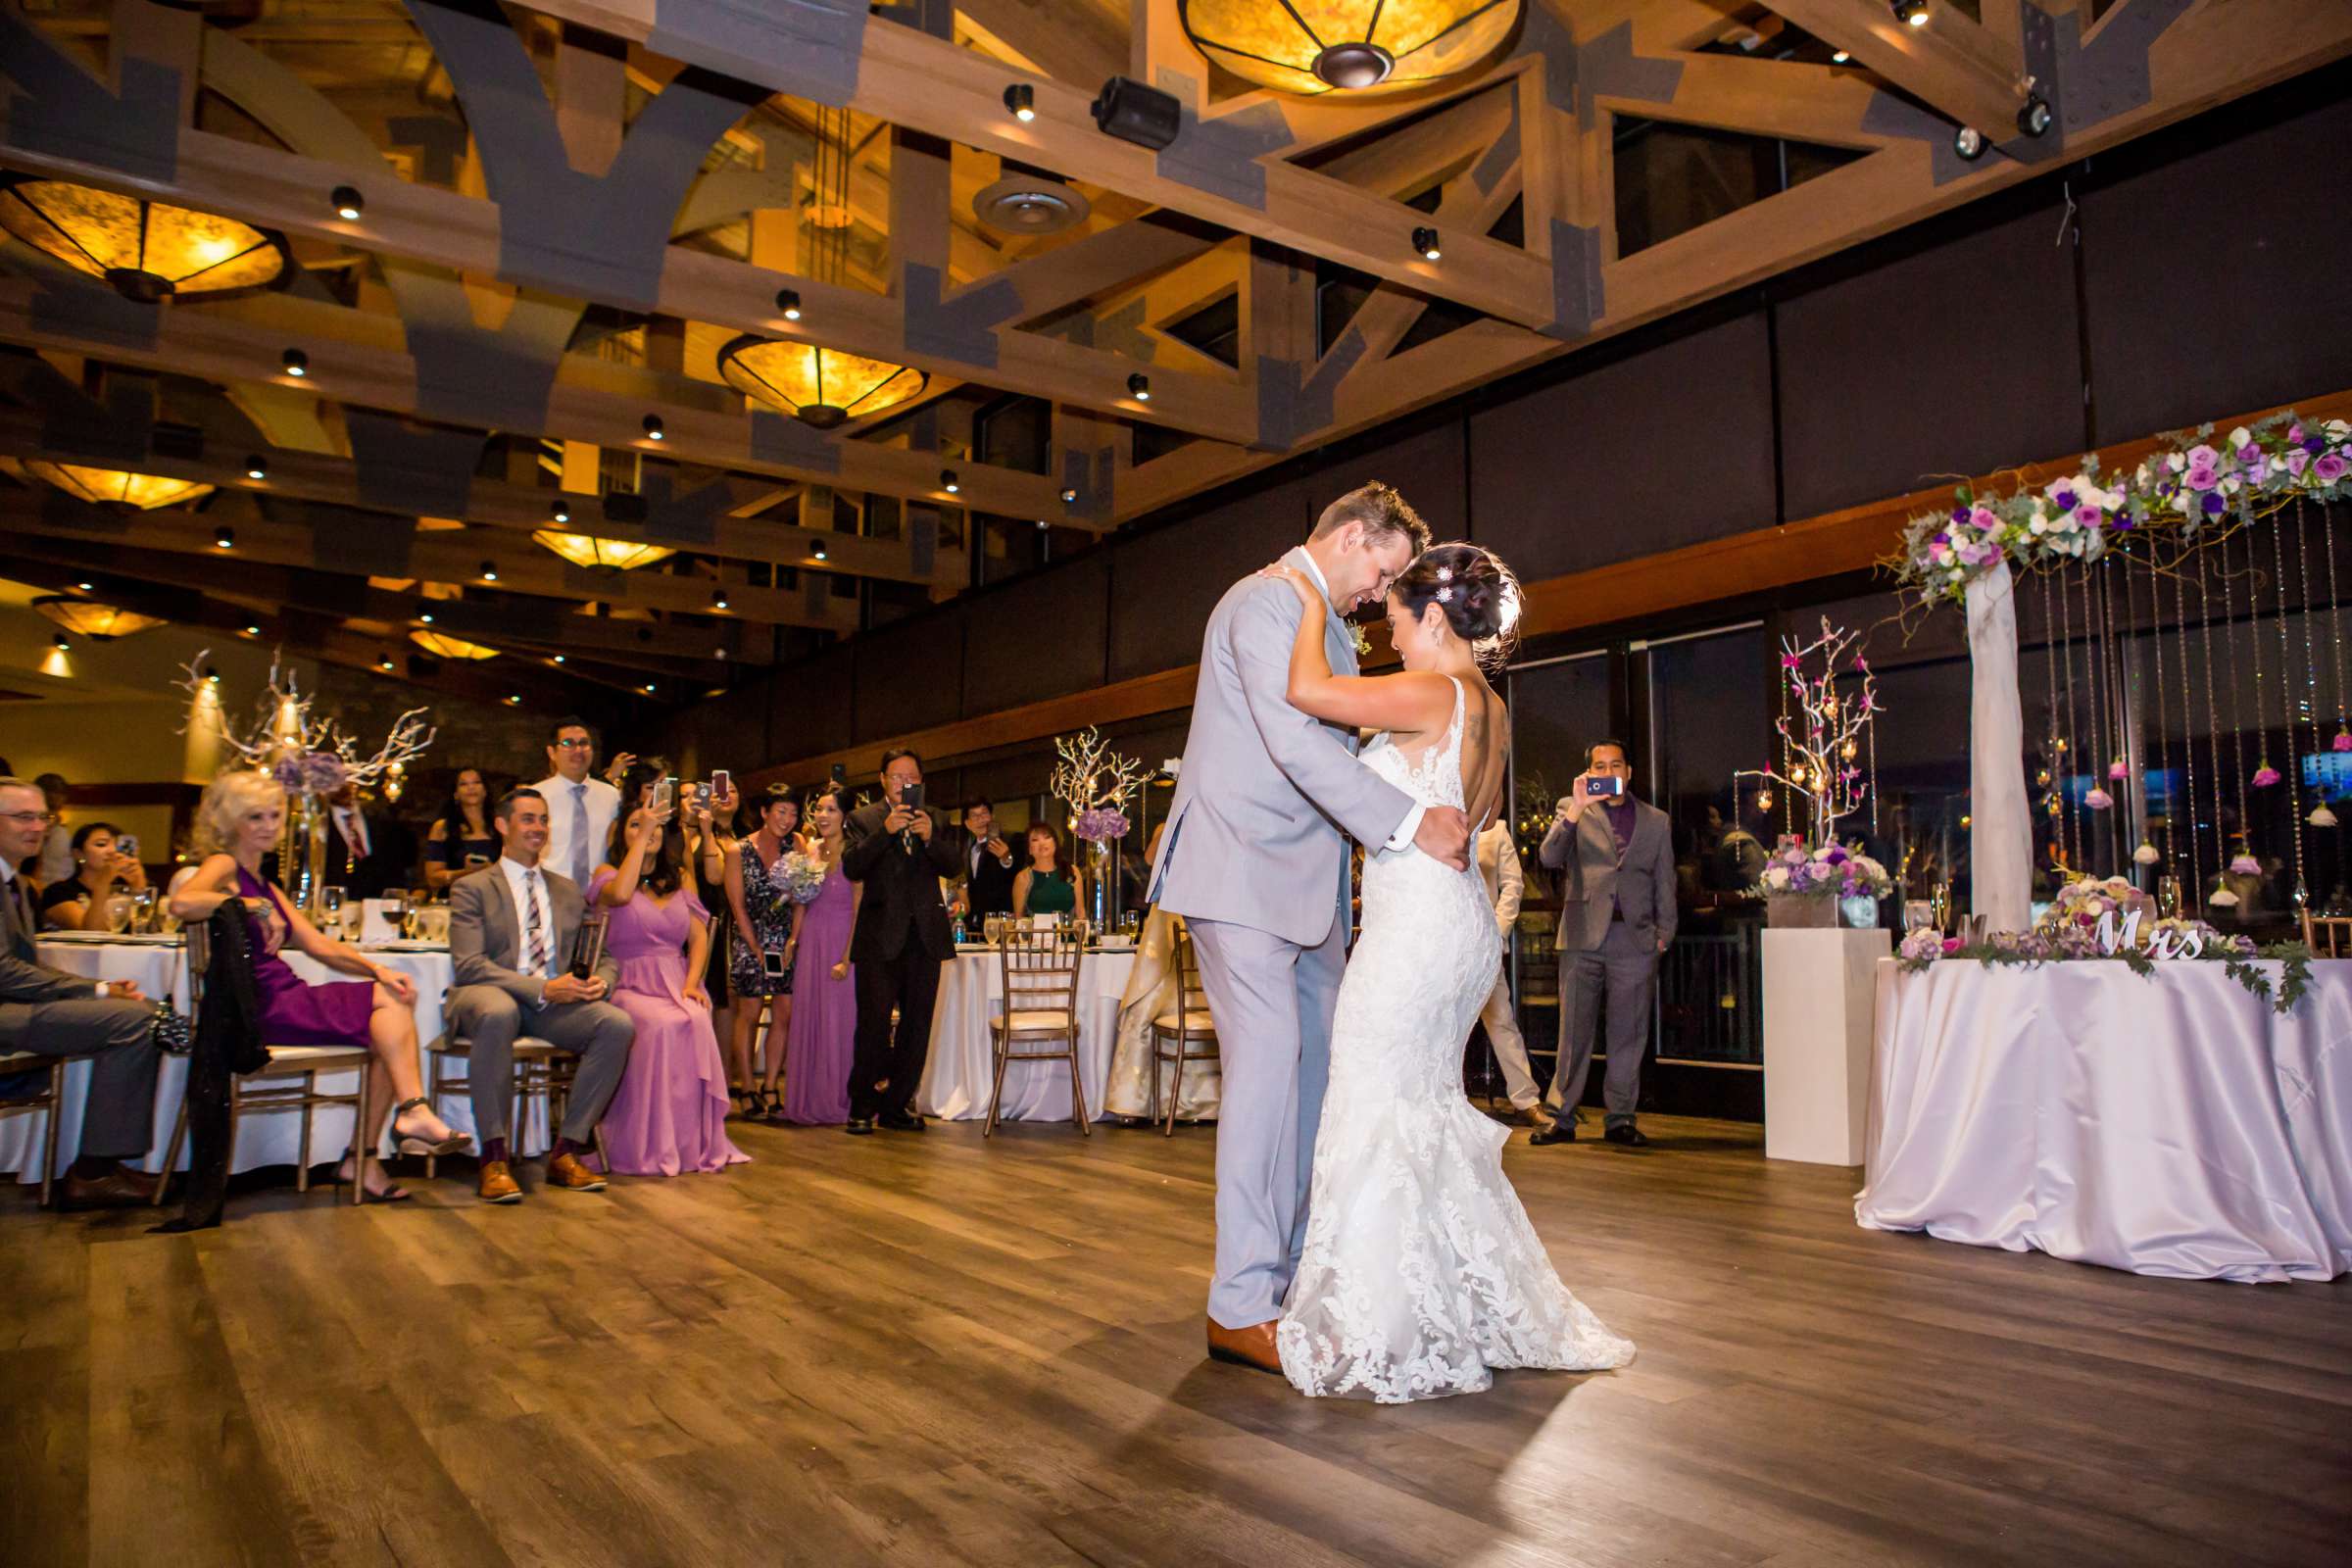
x=579, y=835
x=535, y=930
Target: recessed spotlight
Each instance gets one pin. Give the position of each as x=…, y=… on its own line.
x=1912, y=12
x=224, y=537
x=212, y=676
x=1022, y=99
x=257, y=468
x=349, y=202
x=85, y=587
x=296, y=362
x=1839, y=57
x=718, y=599
x=947, y=481
x=1425, y=240
x=559, y=658
x=1069, y=497
x=560, y=513
x=1139, y=387
x=489, y=571
x=383, y=661
x=60, y=644
x=652, y=427
x=253, y=631
x=514, y=702
x=649, y=688
x=426, y=616
x=788, y=301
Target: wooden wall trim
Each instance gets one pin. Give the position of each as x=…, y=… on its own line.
x=1852, y=539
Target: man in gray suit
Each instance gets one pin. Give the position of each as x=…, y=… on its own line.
x=511, y=932
x=1615, y=856
x=52, y=1014
x=1253, y=857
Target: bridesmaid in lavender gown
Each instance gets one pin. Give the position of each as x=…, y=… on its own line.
x=669, y=1114
x=824, y=1015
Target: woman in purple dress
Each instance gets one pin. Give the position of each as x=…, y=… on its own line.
x=824, y=1015
x=670, y=1112
x=243, y=814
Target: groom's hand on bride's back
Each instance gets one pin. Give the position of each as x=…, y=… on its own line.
x=1445, y=835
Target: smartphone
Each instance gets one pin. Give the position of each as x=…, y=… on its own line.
x=702, y=796
x=912, y=797
x=665, y=793
x=127, y=844
x=773, y=963
x=476, y=860
x=721, y=782
x=1605, y=784
x=841, y=772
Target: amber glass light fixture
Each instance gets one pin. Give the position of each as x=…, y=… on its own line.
x=86, y=618
x=441, y=645
x=822, y=387
x=147, y=250
x=600, y=554
x=115, y=487
x=1359, y=47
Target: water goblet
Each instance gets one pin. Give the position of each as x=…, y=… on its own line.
x=117, y=914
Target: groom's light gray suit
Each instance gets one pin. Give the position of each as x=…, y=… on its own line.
x=1255, y=860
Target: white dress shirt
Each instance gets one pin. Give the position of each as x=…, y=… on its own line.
x=1402, y=837
x=603, y=803
x=519, y=879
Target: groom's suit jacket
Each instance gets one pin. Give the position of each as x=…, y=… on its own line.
x=1265, y=792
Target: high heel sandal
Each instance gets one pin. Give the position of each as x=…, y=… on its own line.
x=408, y=1143
x=763, y=1104
x=393, y=1191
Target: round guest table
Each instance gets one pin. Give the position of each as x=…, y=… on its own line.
x=2171, y=1124
x=961, y=1069
x=159, y=965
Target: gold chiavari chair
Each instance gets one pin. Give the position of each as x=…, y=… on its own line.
x=1041, y=1004
x=1186, y=1025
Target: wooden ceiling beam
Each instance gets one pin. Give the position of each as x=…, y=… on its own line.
x=912, y=79
x=1961, y=67
x=1058, y=38
x=1787, y=98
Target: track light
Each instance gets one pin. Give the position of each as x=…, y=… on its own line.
x=1969, y=144
x=2034, y=117
x=1022, y=99
x=788, y=301
x=1069, y=497
x=649, y=688
x=514, y=702
x=1911, y=13
x=652, y=427
x=296, y=362
x=947, y=481
x=85, y=587
x=59, y=642
x=223, y=537
x=1425, y=240
x=425, y=616
x=212, y=676
x=1139, y=387
x=349, y=202
x=489, y=571
x=561, y=511
x=383, y=661
x=1043, y=525
x=718, y=599
x=253, y=631
x=819, y=551
x=257, y=468
x=559, y=658
x=1839, y=57
x=718, y=653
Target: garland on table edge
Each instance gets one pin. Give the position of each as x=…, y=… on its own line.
x=2032, y=947
x=2182, y=493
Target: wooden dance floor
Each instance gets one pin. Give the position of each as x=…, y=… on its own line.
x=945, y=1350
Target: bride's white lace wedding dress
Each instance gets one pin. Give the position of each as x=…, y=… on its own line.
x=1420, y=1271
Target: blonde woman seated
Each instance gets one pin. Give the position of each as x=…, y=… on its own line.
x=241, y=817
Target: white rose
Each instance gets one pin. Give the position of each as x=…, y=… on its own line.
x=2239, y=437
x=2037, y=526
x=2175, y=462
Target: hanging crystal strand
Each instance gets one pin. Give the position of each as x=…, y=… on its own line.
x=2119, y=714
x=2049, y=802
x=2213, y=735
x=2095, y=664
x=2237, y=734
x=2152, y=765
x=2286, y=703
x=2194, y=885
x=2071, y=741
x=2336, y=627
x=2310, y=651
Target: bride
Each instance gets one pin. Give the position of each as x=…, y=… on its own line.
x=1420, y=1272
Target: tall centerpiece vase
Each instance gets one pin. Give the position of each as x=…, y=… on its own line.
x=1099, y=880
x=305, y=865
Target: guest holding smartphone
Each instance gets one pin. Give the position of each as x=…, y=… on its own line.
x=79, y=903
x=465, y=837
x=761, y=971
x=901, y=940
x=824, y=1015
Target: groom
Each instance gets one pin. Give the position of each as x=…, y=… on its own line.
x=1255, y=860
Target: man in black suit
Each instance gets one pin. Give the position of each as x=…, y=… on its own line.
x=900, y=942
x=988, y=871
x=367, y=854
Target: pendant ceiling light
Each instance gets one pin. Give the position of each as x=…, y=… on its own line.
x=443, y=646
x=820, y=386
x=147, y=250
x=86, y=618
x=600, y=554
x=141, y=492
x=1359, y=47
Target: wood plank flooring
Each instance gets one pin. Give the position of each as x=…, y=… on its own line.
x=940, y=1350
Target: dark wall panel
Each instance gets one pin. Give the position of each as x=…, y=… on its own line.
x=910, y=678
x=1670, y=447
x=1166, y=582
x=1427, y=467
x=729, y=732
x=1038, y=637
x=812, y=706
x=1959, y=359
x=2215, y=280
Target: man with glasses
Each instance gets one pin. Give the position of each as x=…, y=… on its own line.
x=52, y=1014
x=579, y=808
x=1615, y=856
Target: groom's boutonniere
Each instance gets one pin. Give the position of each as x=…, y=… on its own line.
x=1363, y=643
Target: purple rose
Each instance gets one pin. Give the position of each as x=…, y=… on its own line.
x=2297, y=459
x=288, y=774
x=2203, y=457
x=2329, y=468
x=2314, y=445
x=1983, y=518
x=2215, y=503
x=1952, y=945
x=2088, y=515
x=2064, y=499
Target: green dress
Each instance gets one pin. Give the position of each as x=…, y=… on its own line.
x=1051, y=892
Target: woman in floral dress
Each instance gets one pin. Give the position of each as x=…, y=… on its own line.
x=760, y=900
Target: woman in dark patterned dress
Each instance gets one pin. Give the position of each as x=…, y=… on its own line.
x=763, y=908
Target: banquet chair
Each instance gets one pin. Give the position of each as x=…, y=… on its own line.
x=2327, y=936
x=542, y=1069
x=1187, y=1024
x=269, y=1092
x=46, y=1097
x=1041, y=1004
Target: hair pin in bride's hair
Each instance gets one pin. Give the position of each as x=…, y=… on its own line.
x=1444, y=596
x=1444, y=574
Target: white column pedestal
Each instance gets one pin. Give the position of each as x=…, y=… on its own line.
x=1820, y=992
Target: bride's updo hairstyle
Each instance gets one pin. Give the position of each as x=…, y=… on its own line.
x=1478, y=593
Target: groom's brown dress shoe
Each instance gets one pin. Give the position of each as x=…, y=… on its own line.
x=1249, y=1346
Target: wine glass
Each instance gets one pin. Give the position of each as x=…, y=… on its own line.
x=142, y=909
x=117, y=914
x=330, y=912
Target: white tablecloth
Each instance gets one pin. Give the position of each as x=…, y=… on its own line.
x=160, y=970
x=962, y=1066
x=2170, y=1125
